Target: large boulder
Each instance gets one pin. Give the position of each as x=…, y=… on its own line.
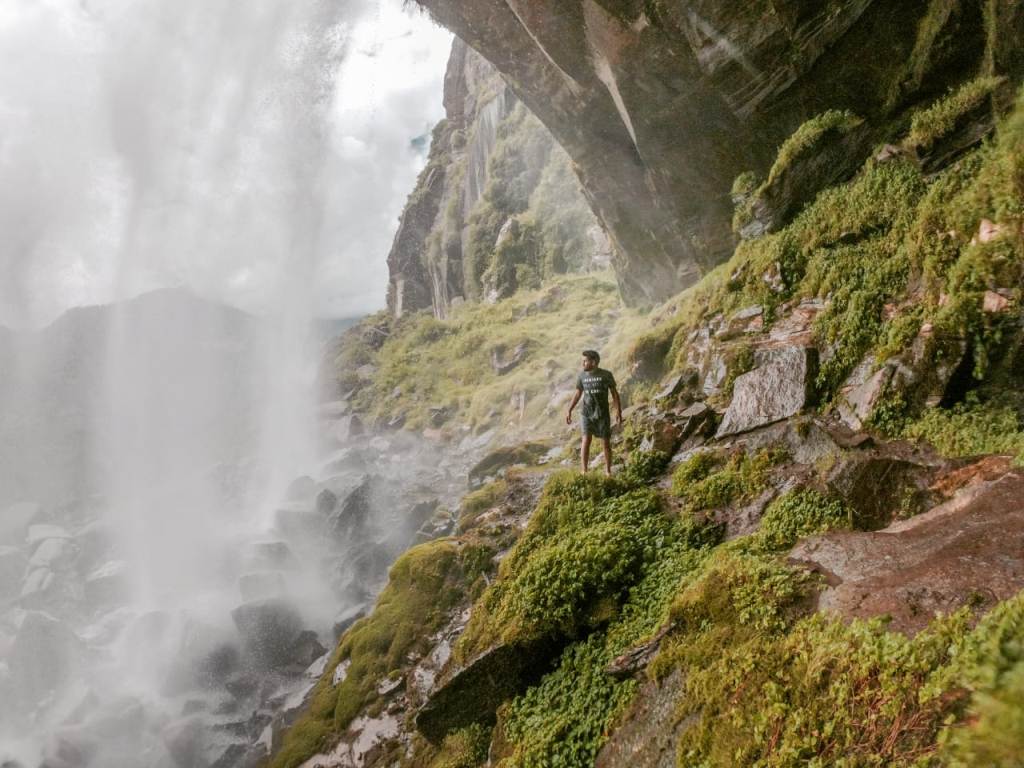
x=472, y=693
x=43, y=656
x=966, y=552
x=781, y=385
x=618, y=83
x=499, y=460
x=270, y=630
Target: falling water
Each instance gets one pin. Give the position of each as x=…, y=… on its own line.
x=190, y=159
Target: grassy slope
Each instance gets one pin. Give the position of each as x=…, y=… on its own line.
x=604, y=564
x=429, y=363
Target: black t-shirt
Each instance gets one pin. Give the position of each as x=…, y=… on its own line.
x=595, y=385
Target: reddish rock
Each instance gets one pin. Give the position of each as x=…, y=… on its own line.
x=967, y=551
x=993, y=302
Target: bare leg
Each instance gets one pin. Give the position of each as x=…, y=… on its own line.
x=607, y=455
x=585, y=454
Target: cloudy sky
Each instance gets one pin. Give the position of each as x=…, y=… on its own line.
x=257, y=153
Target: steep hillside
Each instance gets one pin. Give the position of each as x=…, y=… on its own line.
x=811, y=551
x=661, y=105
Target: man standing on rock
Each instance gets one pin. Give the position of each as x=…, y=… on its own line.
x=593, y=385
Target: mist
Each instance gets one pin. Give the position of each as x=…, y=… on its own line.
x=184, y=189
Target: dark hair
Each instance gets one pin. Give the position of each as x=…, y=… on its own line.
x=592, y=354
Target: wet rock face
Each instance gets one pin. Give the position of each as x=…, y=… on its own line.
x=662, y=107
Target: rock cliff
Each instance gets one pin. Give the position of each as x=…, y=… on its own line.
x=497, y=206
x=809, y=552
x=662, y=105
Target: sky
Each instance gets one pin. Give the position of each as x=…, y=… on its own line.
x=255, y=153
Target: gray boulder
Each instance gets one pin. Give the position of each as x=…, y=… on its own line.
x=779, y=387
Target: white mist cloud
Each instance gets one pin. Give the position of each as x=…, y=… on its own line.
x=146, y=143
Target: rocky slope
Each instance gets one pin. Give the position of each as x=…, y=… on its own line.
x=661, y=106
x=810, y=553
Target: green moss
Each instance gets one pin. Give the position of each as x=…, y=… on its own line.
x=464, y=748
x=991, y=665
x=709, y=480
x=796, y=515
x=644, y=466
x=479, y=501
x=806, y=137
x=424, y=363
x=565, y=719
x=423, y=585
x=938, y=120
x=971, y=428
x=586, y=544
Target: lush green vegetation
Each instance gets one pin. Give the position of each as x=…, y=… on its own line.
x=424, y=584
x=587, y=542
x=972, y=428
x=865, y=244
x=602, y=565
x=424, y=363
x=941, y=118
x=807, y=136
x=710, y=479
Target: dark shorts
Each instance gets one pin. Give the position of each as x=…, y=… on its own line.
x=597, y=426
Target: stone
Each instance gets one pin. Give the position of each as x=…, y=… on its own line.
x=108, y=584
x=646, y=735
x=471, y=694
x=299, y=522
x=504, y=360
x=501, y=459
x=37, y=582
x=439, y=414
x=326, y=503
x=306, y=649
x=779, y=387
x=858, y=400
x=967, y=551
x=43, y=531
x=636, y=659
x=301, y=489
x=269, y=629
x=366, y=372
x=43, y=656
x=347, y=428
x=878, y=488
x=55, y=554
x=346, y=619
x=351, y=517
x=184, y=740
x=993, y=302
x=714, y=374
x=831, y=158
x=272, y=555
x=673, y=385
x=370, y=564
x=15, y=519
x=334, y=409
x=261, y=585
x=94, y=543
x=988, y=231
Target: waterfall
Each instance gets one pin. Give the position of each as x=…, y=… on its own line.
x=176, y=184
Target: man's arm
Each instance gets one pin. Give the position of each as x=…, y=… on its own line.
x=618, y=406
x=575, y=399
